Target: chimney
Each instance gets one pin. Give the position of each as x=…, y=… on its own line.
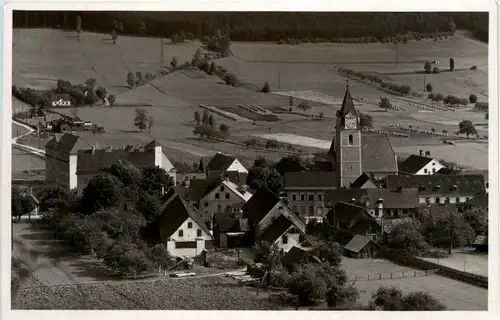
x=380, y=203
x=421, y=153
x=162, y=190
x=427, y=153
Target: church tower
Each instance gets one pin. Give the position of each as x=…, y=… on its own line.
x=348, y=157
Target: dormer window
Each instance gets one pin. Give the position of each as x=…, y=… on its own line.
x=421, y=188
x=454, y=187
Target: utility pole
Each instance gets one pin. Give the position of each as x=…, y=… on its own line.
x=161, y=51
x=279, y=78
x=397, y=52
x=424, y=83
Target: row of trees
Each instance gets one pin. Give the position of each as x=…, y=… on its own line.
x=268, y=26
x=142, y=120
x=206, y=127
x=138, y=79
x=402, y=89
x=116, y=218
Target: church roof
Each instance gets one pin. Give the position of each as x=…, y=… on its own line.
x=348, y=104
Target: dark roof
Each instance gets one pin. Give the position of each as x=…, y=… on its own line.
x=176, y=213
x=343, y=211
x=297, y=255
x=286, y=164
x=323, y=166
x=479, y=200
x=91, y=162
x=310, y=180
x=220, y=162
x=345, y=195
x=427, y=184
x=393, y=199
x=198, y=188
x=348, y=105
x=484, y=173
x=67, y=143
x=260, y=204
x=358, y=243
x=414, y=163
x=228, y=224
x=361, y=180
x=276, y=229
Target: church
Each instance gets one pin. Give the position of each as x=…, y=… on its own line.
x=354, y=154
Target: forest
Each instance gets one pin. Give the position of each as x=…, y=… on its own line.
x=260, y=26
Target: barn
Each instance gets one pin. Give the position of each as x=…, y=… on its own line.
x=361, y=247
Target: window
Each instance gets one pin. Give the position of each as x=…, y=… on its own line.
x=351, y=140
x=294, y=209
x=311, y=197
x=206, y=204
x=219, y=208
x=428, y=200
x=446, y=200
x=350, y=168
x=302, y=197
x=185, y=245
x=227, y=195
x=425, y=170
x=457, y=200
x=294, y=197
x=222, y=188
x=190, y=225
x=311, y=210
x=302, y=210
x=198, y=233
x=320, y=197
x=285, y=239
x=438, y=200
x=433, y=170
x=405, y=211
x=217, y=195
x=181, y=233
x=487, y=185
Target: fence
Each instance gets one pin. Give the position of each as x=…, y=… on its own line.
x=414, y=262
x=393, y=275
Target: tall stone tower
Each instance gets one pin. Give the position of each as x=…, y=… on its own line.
x=348, y=157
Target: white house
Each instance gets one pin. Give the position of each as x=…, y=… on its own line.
x=420, y=165
x=182, y=228
x=228, y=167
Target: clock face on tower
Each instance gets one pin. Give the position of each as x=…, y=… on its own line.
x=350, y=123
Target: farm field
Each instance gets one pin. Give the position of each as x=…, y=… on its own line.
x=474, y=262
x=21, y=160
x=454, y=294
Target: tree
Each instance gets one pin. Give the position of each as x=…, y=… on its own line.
x=306, y=285
x=431, y=96
x=182, y=36
x=435, y=70
x=304, y=106
x=126, y=173
x=205, y=117
x=101, y=93
x=174, y=64
x=257, y=177
x=230, y=79
x=197, y=117
x=139, y=79
x=452, y=64
x=407, y=239
x=150, y=124
x=141, y=119
x=439, y=97
x=124, y=257
x=467, y=127
x=91, y=97
x=393, y=299
x=477, y=218
x=366, y=120
x=211, y=121
x=472, y=98
x=102, y=191
x=131, y=80
x=269, y=255
x=266, y=87
x=274, y=181
x=428, y=87
x=427, y=67
x=111, y=99
x=224, y=128
x=331, y=252
x=159, y=256
x=385, y=104
x=90, y=83
x=148, y=206
x=154, y=179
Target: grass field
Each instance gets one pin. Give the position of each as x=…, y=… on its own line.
x=454, y=294
x=468, y=259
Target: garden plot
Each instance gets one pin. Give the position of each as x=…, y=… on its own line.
x=296, y=140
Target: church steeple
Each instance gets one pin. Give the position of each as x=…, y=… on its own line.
x=347, y=103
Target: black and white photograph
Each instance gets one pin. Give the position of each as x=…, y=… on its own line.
x=252, y=160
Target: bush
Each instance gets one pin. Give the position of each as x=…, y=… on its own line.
x=431, y=96
x=230, y=79
x=266, y=88
x=473, y=68
x=472, y=98
x=428, y=87
x=435, y=70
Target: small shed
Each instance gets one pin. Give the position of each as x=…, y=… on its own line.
x=361, y=247
x=481, y=243
x=296, y=256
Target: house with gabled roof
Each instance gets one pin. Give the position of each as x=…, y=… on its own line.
x=420, y=165
x=182, y=228
x=353, y=218
x=89, y=162
x=299, y=255
x=271, y=220
x=362, y=246
x=216, y=195
x=231, y=230
x=440, y=189
x=364, y=181
x=305, y=192
x=226, y=166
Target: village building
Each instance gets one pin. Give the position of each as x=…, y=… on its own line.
x=185, y=178
x=440, y=189
x=226, y=166
x=289, y=164
x=305, y=192
x=420, y=165
x=231, y=230
x=70, y=162
x=354, y=153
x=364, y=181
x=299, y=255
x=353, y=218
x=182, y=228
x=28, y=192
x=89, y=162
x=271, y=220
x=361, y=246
x=216, y=195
